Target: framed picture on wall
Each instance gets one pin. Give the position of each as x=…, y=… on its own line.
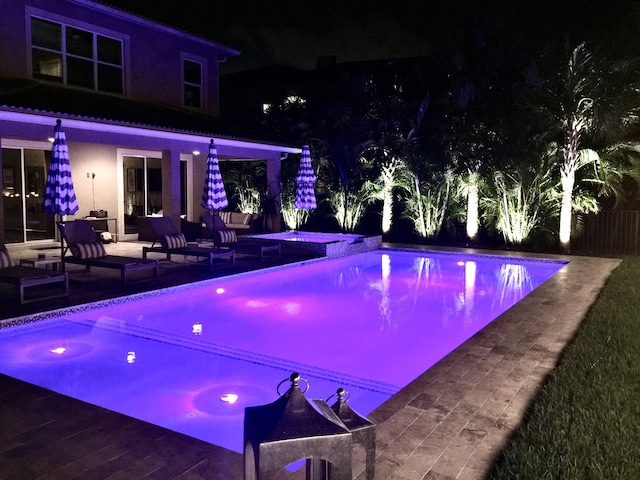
x=131, y=180
x=7, y=177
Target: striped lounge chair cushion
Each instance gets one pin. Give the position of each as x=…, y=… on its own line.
x=88, y=250
x=173, y=241
x=227, y=236
x=5, y=259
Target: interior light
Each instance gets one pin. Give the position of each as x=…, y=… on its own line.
x=229, y=398
x=59, y=350
x=131, y=357
x=196, y=328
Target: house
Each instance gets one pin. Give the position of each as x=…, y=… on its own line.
x=137, y=100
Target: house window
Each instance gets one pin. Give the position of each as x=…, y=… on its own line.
x=74, y=56
x=192, y=74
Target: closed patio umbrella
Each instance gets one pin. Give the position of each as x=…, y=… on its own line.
x=305, y=195
x=213, y=196
x=59, y=194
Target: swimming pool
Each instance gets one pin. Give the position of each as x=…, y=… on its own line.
x=370, y=323
x=322, y=243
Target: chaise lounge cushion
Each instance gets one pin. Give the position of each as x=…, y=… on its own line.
x=173, y=241
x=88, y=250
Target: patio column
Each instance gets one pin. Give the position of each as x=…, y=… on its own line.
x=272, y=215
x=171, y=185
x=1, y=196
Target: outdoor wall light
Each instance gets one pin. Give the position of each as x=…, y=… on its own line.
x=219, y=290
x=131, y=357
x=196, y=152
x=196, y=328
x=59, y=350
x=51, y=139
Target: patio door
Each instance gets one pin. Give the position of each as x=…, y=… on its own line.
x=24, y=175
x=142, y=177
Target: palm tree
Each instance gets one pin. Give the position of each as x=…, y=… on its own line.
x=593, y=98
x=395, y=150
x=481, y=114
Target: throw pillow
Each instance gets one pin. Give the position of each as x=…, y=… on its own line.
x=225, y=216
x=88, y=250
x=173, y=241
x=5, y=259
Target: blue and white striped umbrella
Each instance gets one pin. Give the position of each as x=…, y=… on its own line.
x=305, y=194
x=213, y=196
x=59, y=194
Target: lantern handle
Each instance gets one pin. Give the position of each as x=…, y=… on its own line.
x=342, y=395
x=294, y=378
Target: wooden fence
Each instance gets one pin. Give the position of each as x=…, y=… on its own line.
x=610, y=232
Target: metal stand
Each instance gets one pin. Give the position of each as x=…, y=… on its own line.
x=292, y=429
x=363, y=431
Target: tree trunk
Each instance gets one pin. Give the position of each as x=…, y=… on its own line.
x=568, y=179
x=387, y=206
x=472, y=208
x=388, y=173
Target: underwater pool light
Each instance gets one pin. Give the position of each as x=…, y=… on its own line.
x=230, y=398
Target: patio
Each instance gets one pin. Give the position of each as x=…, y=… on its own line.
x=449, y=423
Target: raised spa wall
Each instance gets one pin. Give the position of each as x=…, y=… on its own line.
x=334, y=249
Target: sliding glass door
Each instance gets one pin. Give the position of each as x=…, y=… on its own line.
x=24, y=175
x=142, y=178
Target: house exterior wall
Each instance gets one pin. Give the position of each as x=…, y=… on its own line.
x=153, y=54
x=94, y=193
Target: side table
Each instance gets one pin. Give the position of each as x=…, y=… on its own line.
x=53, y=263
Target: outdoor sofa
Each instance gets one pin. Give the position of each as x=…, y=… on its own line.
x=225, y=237
x=242, y=223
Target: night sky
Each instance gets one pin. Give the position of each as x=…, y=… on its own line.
x=295, y=33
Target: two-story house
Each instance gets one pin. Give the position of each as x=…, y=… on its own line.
x=137, y=100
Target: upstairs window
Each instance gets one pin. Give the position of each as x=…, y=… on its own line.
x=77, y=57
x=192, y=75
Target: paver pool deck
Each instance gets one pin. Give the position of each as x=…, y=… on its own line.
x=449, y=423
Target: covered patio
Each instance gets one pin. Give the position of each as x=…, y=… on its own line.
x=127, y=159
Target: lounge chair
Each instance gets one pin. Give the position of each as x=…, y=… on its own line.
x=52, y=283
x=79, y=238
x=225, y=237
x=172, y=242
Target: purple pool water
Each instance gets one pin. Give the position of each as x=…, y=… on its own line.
x=369, y=323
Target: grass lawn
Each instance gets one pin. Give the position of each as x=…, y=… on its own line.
x=585, y=421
